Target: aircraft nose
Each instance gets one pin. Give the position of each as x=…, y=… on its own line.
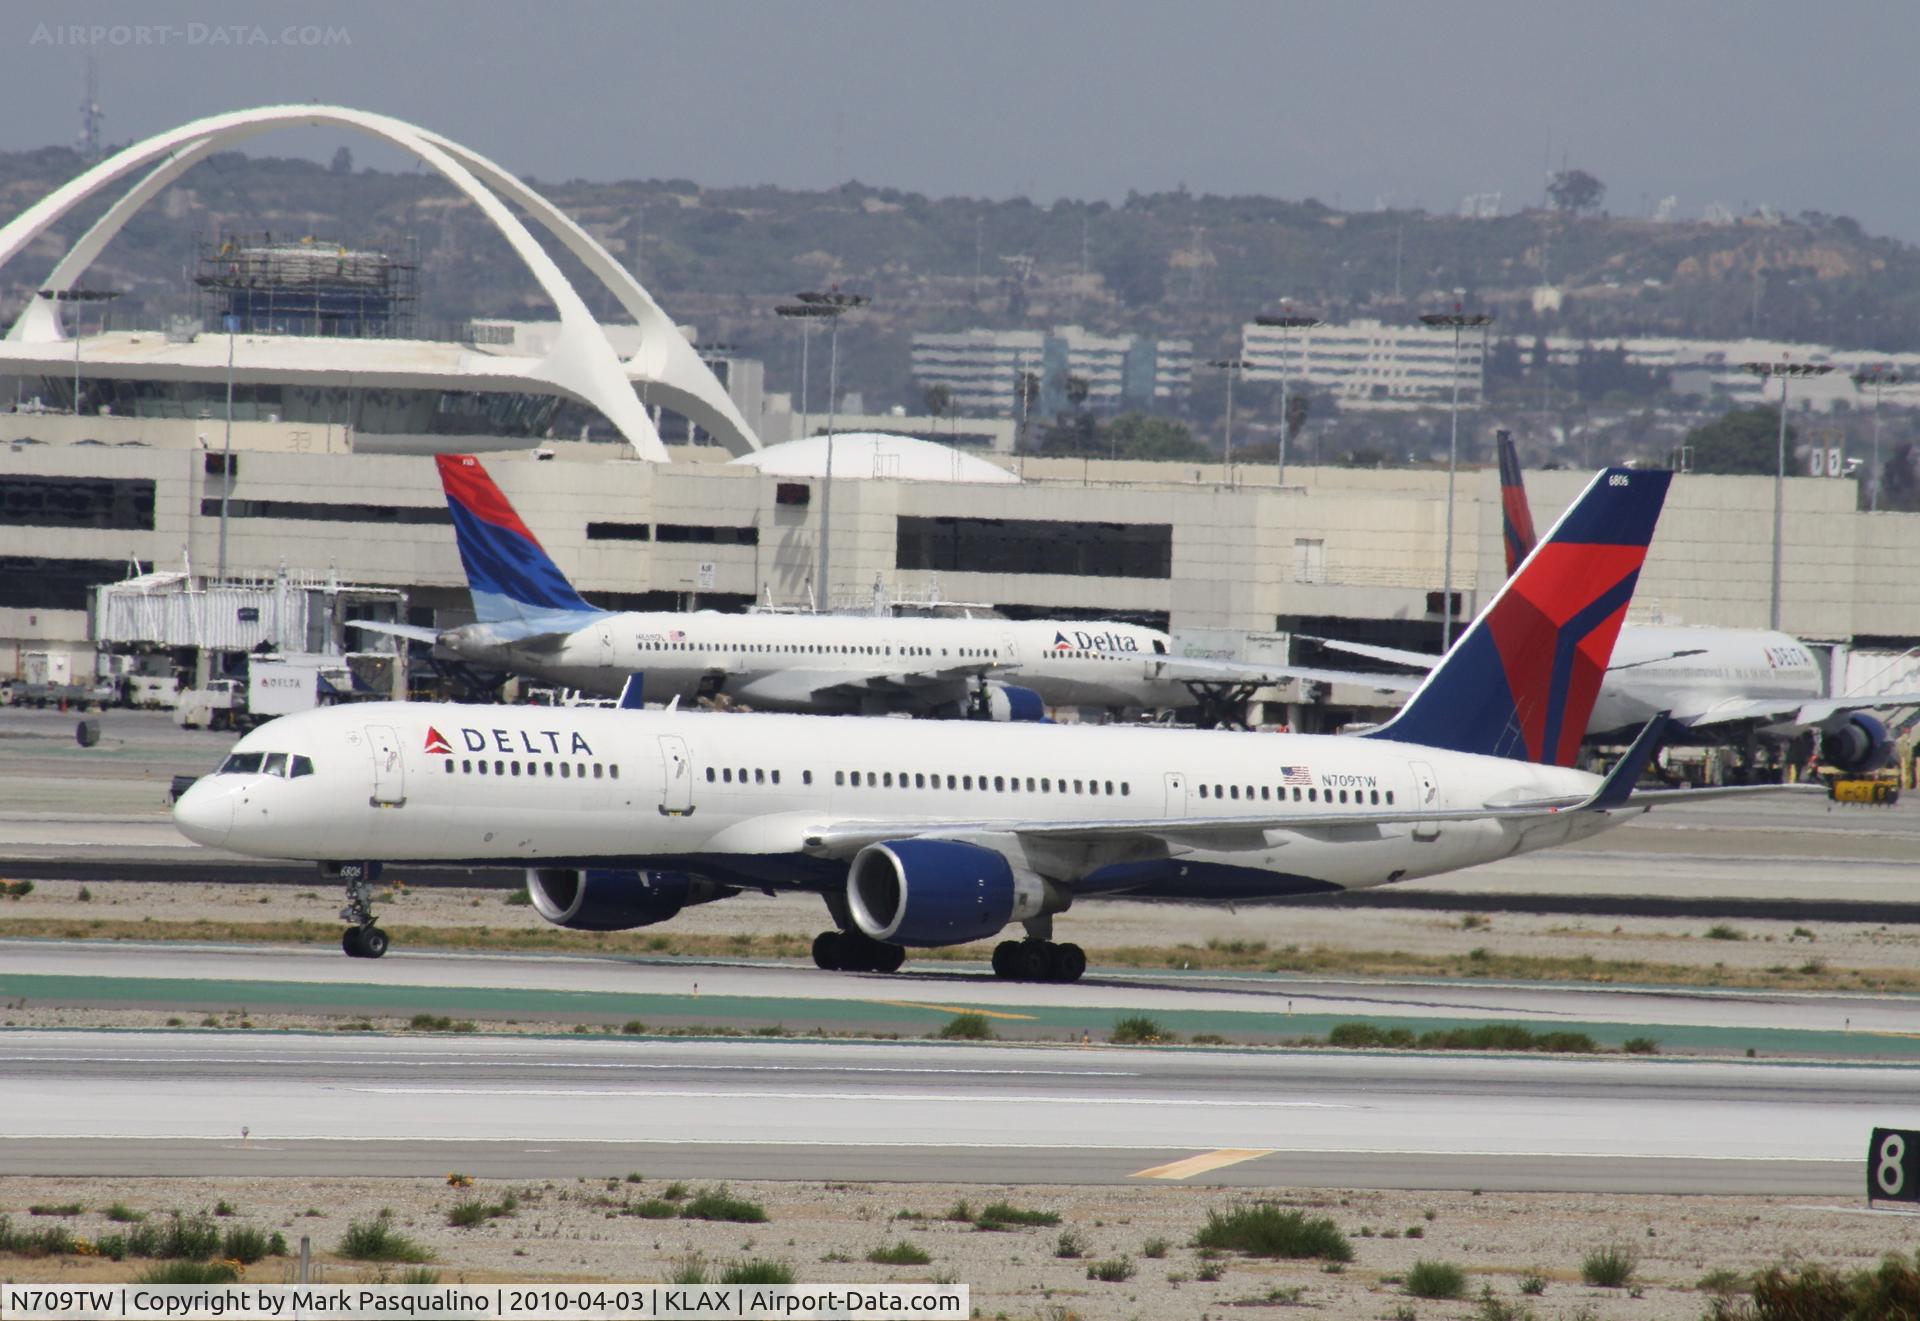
x=204, y=814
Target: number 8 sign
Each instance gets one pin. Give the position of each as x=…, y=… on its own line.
x=1893, y=1166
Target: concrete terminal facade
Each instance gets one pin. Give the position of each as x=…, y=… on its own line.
x=1356, y=551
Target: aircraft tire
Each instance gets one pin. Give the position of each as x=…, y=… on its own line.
x=1033, y=960
x=1066, y=963
x=887, y=958
x=829, y=951
x=373, y=942
x=1003, y=960
x=350, y=942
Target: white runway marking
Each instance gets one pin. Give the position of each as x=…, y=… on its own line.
x=944, y=1097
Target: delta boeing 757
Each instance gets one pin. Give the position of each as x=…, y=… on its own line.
x=929, y=835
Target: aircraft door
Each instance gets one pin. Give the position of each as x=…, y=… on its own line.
x=1009, y=649
x=389, y=768
x=676, y=785
x=1428, y=789
x=1176, y=794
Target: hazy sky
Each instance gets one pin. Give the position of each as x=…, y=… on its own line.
x=1800, y=106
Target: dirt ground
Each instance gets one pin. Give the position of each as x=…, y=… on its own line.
x=580, y=1230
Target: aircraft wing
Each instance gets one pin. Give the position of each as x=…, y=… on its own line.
x=412, y=632
x=1417, y=660
x=1193, y=670
x=1791, y=711
x=798, y=685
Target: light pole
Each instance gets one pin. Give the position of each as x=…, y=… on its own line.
x=831, y=305
x=1458, y=321
x=1232, y=367
x=58, y=296
x=1879, y=376
x=1283, y=323
x=1786, y=371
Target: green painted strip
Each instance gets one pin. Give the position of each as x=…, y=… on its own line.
x=1044, y=1020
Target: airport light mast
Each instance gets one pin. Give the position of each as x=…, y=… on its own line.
x=1232, y=367
x=58, y=296
x=1786, y=371
x=1284, y=323
x=1879, y=376
x=1457, y=321
x=830, y=304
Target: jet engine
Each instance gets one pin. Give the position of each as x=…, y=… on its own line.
x=942, y=892
x=605, y=899
x=1859, y=746
x=1007, y=702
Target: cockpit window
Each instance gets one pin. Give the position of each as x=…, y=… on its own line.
x=300, y=766
x=289, y=764
x=241, y=763
x=275, y=763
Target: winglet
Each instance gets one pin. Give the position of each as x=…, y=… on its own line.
x=1617, y=788
x=631, y=693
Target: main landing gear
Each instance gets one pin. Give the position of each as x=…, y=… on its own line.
x=1038, y=961
x=851, y=951
x=362, y=939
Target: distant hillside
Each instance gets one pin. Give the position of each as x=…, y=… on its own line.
x=1168, y=262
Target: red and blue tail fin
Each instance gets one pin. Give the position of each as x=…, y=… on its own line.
x=508, y=574
x=1515, y=516
x=1522, y=680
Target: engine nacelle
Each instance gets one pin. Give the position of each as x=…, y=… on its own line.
x=1860, y=746
x=605, y=899
x=1007, y=702
x=942, y=892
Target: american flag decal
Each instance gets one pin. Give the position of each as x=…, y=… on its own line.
x=675, y=635
x=1296, y=775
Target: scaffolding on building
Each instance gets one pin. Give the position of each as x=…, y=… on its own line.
x=257, y=284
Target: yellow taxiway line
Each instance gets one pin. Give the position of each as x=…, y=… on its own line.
x=1205, y=1162
x=949, y=1009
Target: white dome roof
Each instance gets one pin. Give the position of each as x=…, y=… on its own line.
x=860, y=455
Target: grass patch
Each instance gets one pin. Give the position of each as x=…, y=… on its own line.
x=55, y=1209
x=191, y=1272
x=1725, y=932
x=719, y=1204
x=1486, y=1036
x=122, y=1214
x=901, y=1253
x=440, y=1023
x=1263, y=1229
x=1154, y=1248
x=1004, y=1215
x=378, y=1240
x=966, y=1027
x=1436, y=1279
x=757, y=1271
x=247, y=1244
x=1111, y=1270
x=1609, y=1267
x=654, y=1208
x=1640, y=1046
x=690, y=1269
x=477, y=1211
x=1138, y=1030
x=1069, y=1245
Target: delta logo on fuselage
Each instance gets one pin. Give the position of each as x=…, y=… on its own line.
x=503, y=740
x=1080, y=640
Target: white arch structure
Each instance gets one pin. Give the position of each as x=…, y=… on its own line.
x=580, y=363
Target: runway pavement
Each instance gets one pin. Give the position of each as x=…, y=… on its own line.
x=155, y=1103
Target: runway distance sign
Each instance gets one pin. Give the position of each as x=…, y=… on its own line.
x=1893, y=1166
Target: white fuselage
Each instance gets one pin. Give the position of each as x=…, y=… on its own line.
x=840, y=663
x=1689, y=671
x=737, y=797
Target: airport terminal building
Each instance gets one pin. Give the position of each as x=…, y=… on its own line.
x=119, y=459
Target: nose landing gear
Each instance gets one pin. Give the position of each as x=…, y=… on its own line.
x=362, y=939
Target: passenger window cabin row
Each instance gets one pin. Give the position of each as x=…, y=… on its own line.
x=1044, y=784
x=507, y=767
x=817, y=649
x=1269, y=793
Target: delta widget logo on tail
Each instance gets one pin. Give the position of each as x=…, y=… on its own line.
x=437, y=742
